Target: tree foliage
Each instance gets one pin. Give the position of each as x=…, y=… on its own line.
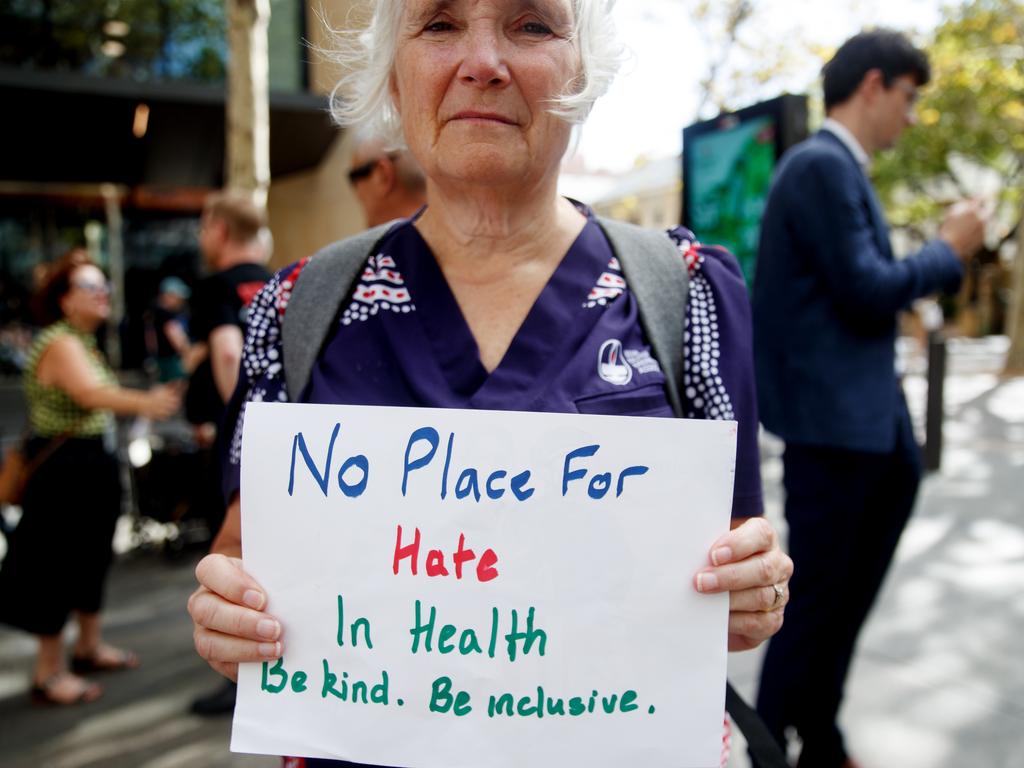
x=970, y=140
x=743, y=64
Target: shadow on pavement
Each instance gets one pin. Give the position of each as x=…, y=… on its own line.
x=142, y=720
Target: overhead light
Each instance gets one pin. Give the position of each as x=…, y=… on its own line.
x=116, y=28
x=112, y=48
x=141, y=123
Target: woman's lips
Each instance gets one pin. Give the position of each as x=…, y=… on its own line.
x=488, y=117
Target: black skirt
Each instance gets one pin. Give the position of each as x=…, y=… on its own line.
x=60, y=552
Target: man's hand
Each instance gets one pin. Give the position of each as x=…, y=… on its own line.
x=964, y=227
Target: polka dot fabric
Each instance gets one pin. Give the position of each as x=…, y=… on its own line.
x=704, y=392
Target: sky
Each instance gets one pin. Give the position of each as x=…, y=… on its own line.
x=655, y=95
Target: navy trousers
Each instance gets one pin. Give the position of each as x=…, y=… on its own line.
x=846, y=511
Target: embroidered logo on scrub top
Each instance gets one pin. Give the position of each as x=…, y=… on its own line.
x=611, y=363
x=609, y=286
x=380, y=287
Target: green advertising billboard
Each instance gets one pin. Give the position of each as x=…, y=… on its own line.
x=727, y=170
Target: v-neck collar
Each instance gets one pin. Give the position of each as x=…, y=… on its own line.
x=555, y=319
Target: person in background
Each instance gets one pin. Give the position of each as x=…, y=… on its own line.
x=60, y=551
x=234, y=248
x=826, y=297
x=388, y=183
x=173, y=350
x=234, y=241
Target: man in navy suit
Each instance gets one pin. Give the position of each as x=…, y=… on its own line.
x=826, y=298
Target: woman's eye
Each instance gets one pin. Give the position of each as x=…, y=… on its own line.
x=536, y=28
x=439, y=26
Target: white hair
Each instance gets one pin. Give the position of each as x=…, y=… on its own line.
x=362, y=96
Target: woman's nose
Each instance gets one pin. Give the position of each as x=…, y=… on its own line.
x=483, y=63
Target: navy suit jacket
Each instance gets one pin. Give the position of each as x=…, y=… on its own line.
x=826, y=296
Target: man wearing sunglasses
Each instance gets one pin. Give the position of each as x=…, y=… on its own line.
x=388, y=183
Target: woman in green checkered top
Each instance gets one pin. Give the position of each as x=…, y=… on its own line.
x=60, y=552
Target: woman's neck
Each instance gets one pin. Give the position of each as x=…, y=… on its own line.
x=482, y=231
x=81, y=325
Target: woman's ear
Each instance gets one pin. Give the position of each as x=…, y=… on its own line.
x=386, y=173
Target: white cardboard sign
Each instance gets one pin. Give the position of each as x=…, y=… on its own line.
x=482, y=588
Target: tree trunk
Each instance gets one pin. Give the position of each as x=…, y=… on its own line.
x=1015, y=322
x=247, y=140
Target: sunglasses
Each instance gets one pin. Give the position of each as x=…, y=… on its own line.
x=360, y=172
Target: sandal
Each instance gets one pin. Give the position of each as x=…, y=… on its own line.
x=107, y=659
x=46, y=691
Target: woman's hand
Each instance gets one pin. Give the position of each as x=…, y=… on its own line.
x=748, y=564
x=162, y=401
x=227, y=613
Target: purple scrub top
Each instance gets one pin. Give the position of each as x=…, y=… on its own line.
x=401, y=340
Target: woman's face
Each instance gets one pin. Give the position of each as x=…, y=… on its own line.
x=472, y=82
x=87, y=301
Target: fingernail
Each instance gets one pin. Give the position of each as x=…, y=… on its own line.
x=270, y=650
x=721, y=555
x=253, y=598
x=706, y=582
x=267, y=628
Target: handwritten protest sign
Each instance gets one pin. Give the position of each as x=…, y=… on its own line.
x=479, y=588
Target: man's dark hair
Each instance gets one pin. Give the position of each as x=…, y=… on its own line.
x=882, y=49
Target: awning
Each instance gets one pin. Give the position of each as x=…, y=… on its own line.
x=74, y=129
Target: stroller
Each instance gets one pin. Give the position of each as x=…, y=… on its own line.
x=176, y=499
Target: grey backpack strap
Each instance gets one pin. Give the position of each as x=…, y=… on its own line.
x=316, y=300
x=656, y=274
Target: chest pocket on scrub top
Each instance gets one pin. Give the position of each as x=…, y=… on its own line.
x=645, y=400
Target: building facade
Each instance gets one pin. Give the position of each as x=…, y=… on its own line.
x=113, y=134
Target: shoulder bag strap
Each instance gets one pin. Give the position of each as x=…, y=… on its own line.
x=762, y=745
x=326, y=280
x=55, y=442
x=657, y=276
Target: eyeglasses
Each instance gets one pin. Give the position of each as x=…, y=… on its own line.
x=90, y=287
x=909, y=91
x=360, y=172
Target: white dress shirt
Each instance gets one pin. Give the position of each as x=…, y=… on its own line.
x=842, y=133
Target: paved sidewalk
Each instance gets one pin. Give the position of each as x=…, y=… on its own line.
x=938, y=681
x=142, y=720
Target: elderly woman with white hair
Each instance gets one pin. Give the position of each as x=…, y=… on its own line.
x=508, y=292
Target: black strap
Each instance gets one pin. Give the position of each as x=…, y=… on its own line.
x=763, y=747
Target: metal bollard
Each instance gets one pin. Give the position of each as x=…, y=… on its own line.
x=934, y=409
